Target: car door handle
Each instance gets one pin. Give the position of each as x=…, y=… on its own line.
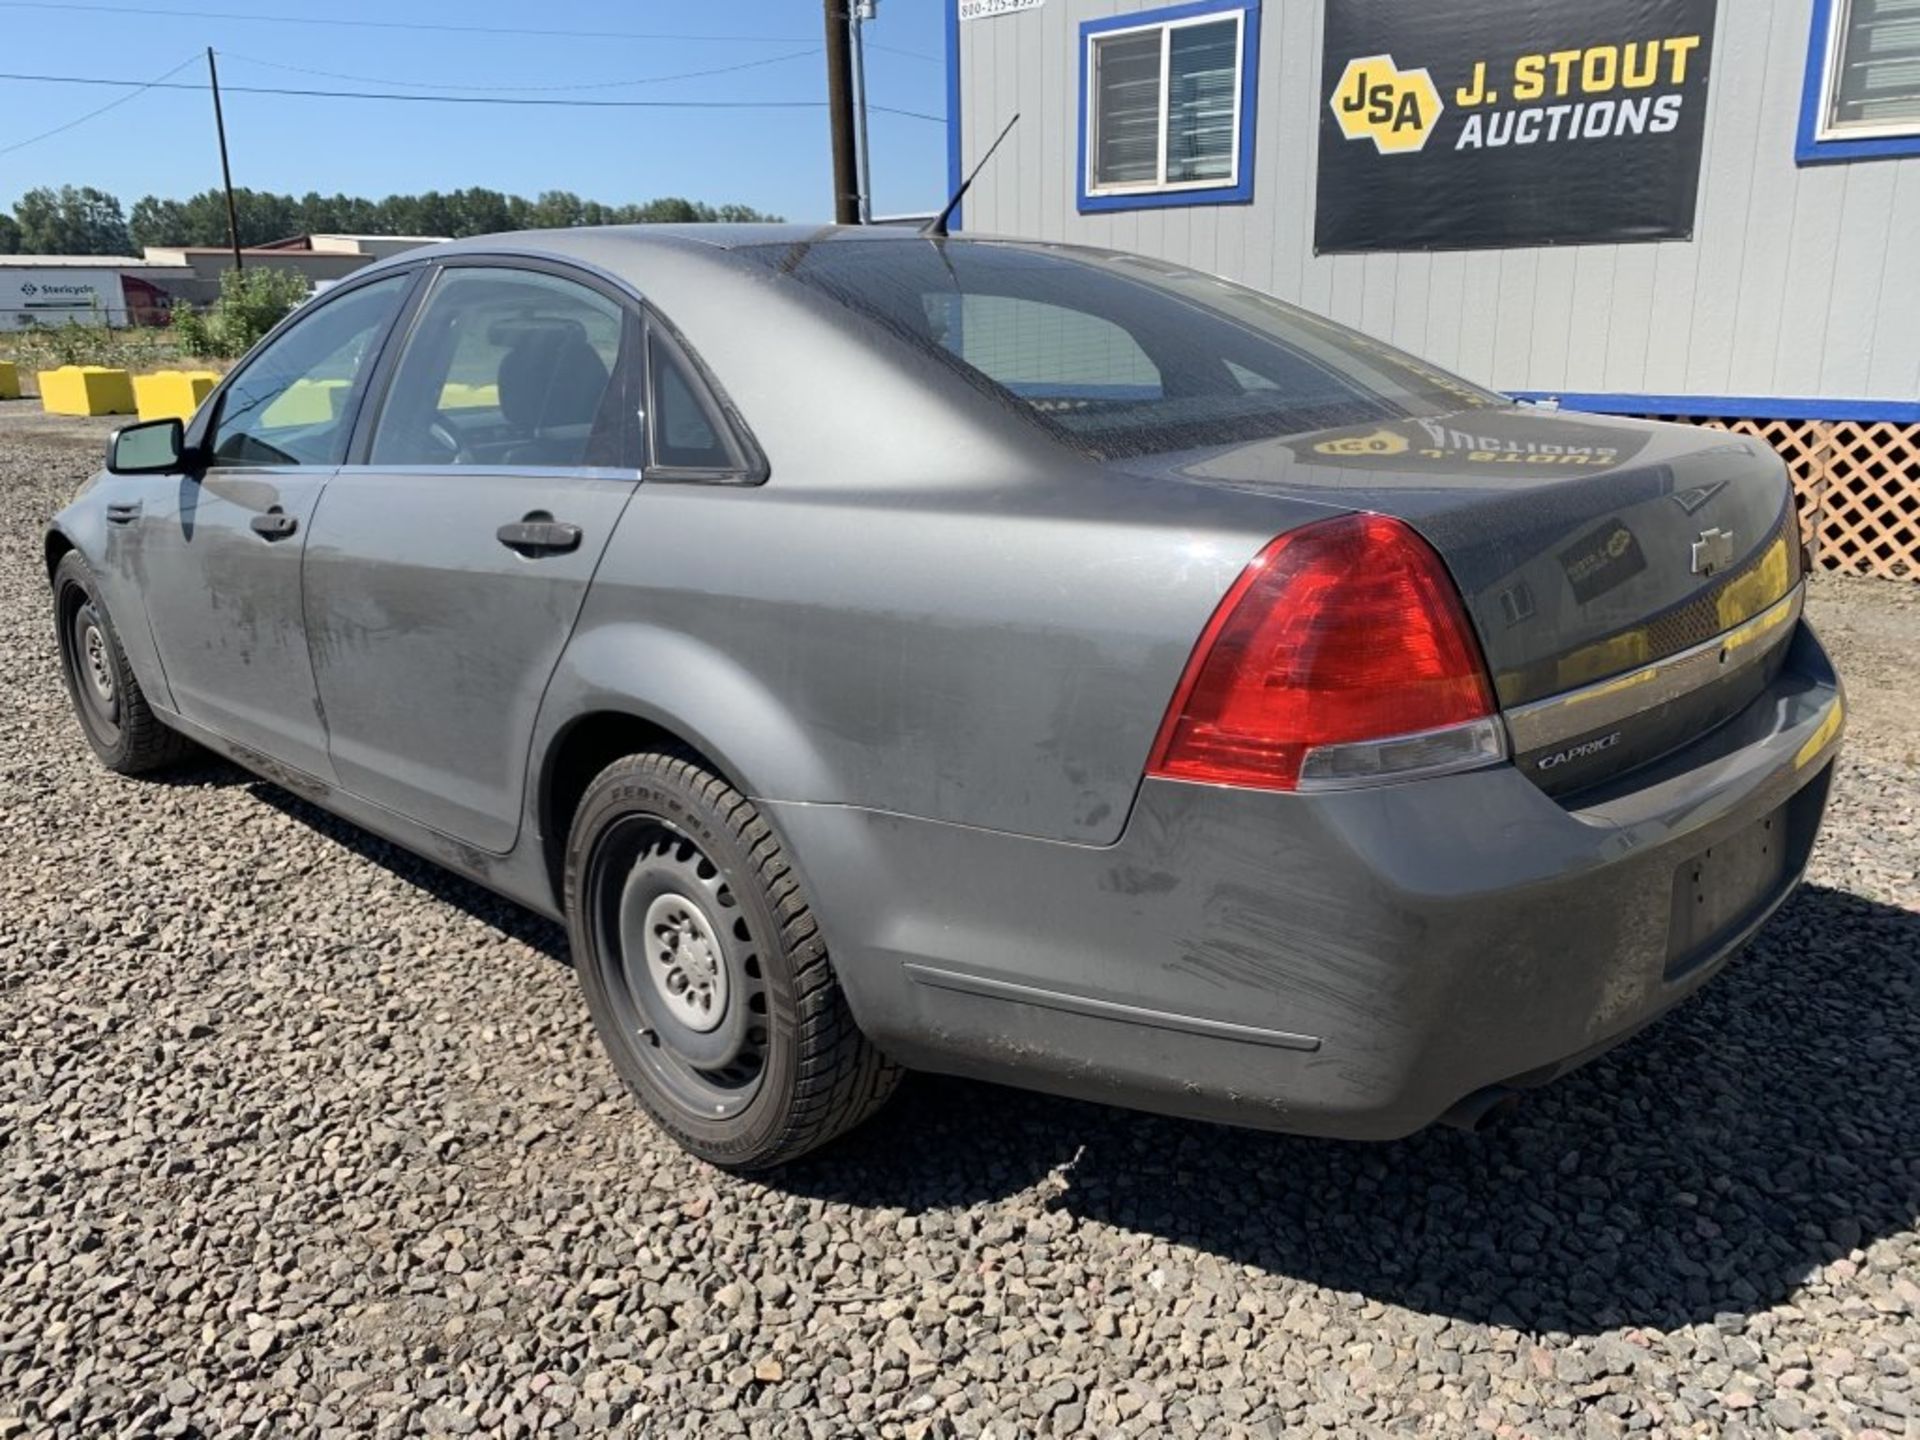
x=539, y=536
x=274, y=525
x=123, y=514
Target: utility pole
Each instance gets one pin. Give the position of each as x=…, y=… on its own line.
x=863, y=11
x=846, y=185
x=226, y=171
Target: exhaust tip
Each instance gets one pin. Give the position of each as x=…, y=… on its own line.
x=1482, y=1109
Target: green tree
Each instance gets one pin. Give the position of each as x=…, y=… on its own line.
x=251, y=303
x=265, y=216
x=157, y=222
x=556, y=210
x=336, y=215
x=481, y=212
x=197, y=220
x=9, y=236
x=73, y=220
x=669, y=210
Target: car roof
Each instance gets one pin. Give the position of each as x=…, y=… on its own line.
x=607, y=245
x=729, y=235
x=664, y=261
x=582, y=240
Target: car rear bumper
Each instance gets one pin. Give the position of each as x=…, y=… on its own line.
x=1346, y=964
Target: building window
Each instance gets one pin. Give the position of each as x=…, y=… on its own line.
x=1167, y=106
x=1862, y=92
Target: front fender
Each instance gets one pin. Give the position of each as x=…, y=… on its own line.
x=112, y=553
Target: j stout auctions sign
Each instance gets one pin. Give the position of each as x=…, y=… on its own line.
x=1454, y=124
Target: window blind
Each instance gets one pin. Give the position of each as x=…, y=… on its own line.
x=1127, y=109
x=1201, y=82
x=1877, y=81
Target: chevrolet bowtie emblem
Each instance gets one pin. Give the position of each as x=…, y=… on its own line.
x=1712, y=551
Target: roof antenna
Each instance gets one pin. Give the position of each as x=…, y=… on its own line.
x=936, y=228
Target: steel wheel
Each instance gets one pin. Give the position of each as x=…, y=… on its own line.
x=705, y=970
x=681, y=965
x=113, y=713
x=90, y=661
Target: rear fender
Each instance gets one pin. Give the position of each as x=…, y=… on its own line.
x=697, y=693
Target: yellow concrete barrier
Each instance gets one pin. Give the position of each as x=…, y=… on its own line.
x=457, y=395
x=86, y=390
x=172, y=394
x=305, y=402
x=9, y=380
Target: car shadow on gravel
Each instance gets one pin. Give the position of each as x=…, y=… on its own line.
x=203, y=771
x=515, y=921
x=1708, y=1168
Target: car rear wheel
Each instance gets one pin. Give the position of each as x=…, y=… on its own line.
x=113, y=712
x=705, y=971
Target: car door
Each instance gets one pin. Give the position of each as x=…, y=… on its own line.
x=219, y=546
x=448, y=562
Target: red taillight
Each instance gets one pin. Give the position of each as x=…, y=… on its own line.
x=1347, y=630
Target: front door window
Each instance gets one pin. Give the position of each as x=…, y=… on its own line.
x=292, y=403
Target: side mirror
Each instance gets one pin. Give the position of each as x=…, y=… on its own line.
x=154, y=447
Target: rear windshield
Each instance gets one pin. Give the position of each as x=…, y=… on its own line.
x=1119, y=355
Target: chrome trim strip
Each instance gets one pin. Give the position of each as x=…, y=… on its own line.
x=1610, y=702
x=987, y=987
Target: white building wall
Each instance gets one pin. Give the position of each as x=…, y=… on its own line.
x=1800, y=281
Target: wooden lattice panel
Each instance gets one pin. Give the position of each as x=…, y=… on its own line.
x=1870, y=513
x=1856, y=485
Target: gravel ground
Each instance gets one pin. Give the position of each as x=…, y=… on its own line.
x=299, y=1135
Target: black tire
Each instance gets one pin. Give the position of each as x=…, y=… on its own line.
x=705, y=971
x=107, y=699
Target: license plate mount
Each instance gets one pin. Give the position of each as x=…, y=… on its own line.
x=1720, y=891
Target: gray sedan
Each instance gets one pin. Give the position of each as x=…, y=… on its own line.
x=1026, y=662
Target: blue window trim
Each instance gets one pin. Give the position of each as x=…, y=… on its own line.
x=953, y=109
x=1733, y=407
x=1239, y=193
x=1809, y=148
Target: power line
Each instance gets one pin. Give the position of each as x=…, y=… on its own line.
x=516, y=100
x=440, y=27
x=137, y=91
x=436, y=26
x=901, y=50
x=526, y=89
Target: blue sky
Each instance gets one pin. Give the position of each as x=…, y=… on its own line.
x=162, y=142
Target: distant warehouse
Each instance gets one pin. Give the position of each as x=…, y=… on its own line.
x=1650, y=207
x=124, y=290
x=86, y=290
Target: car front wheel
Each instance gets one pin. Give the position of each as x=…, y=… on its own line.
x=705, y=971
x=112, y=710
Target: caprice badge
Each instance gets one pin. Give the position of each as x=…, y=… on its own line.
x=1712, y=551
x=1579, y=752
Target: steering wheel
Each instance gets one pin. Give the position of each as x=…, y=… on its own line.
x=443, y=434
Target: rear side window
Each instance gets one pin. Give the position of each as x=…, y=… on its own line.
x=689, y=432
x=1122, y=356
x=509, y=367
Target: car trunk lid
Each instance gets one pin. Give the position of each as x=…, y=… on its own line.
x=1630, y=582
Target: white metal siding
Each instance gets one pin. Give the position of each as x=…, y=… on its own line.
x=1800, y=281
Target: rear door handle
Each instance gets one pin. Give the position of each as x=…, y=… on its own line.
x=539, y=536
x=274, y=525
x=123, y=514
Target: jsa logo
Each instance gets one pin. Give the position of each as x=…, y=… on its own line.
x=1376, y=100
